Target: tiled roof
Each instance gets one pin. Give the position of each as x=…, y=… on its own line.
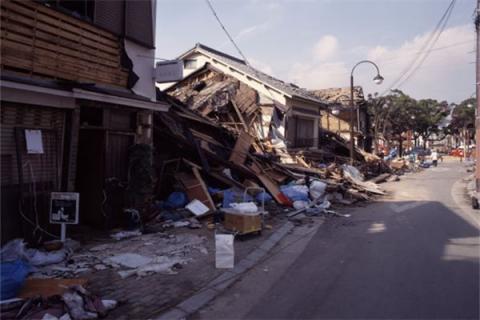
x=239, y=64
x=340, y=95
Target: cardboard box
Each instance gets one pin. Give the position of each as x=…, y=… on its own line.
x=243, y=223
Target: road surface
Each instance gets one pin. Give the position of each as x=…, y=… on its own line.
x=414, y=254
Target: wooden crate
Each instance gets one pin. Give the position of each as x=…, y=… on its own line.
x=243, y=223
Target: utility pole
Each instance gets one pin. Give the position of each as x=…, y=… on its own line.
x=477, y=87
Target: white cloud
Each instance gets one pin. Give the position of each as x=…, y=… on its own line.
x=318, y=76
x=325, y=48
x=262, y=66
x=446, y=74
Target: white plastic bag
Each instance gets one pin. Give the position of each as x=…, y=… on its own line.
x=224, y=252
x=244, y=207
x=317, y=189
x=300, y=204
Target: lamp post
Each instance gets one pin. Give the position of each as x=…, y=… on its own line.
x=378, y=79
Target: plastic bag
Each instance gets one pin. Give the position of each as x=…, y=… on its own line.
x=13, y=250
x=244, y=207
x=233, y=195
x=224, y=251
x=41, y=258
x=295, y=192
x=12, y=277
x=351, y=171
x=176, y=200
x=317, y=189
x=299, y=204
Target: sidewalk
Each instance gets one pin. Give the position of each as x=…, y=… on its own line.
x=151, y=295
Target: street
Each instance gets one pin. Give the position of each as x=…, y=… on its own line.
x=414, y=254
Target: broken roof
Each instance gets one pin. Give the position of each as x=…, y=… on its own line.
x=340, y=95
x=288, y=89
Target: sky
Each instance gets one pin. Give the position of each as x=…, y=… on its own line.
x=315, y=43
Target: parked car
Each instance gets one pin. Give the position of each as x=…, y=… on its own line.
x=457, y=152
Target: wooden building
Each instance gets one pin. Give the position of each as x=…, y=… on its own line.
x=299, y=110
x=76, y=93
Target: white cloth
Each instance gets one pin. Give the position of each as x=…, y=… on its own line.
x=434, y=155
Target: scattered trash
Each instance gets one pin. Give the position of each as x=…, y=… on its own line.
x=125, y=234
x=197, y=207
x=129, y=260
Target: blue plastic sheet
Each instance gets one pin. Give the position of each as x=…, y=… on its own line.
x=295, y=192
x=12, y=277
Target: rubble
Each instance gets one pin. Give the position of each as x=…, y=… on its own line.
x=214, y=159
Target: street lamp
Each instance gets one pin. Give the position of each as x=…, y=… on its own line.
x=378, y=79
x=337, y=106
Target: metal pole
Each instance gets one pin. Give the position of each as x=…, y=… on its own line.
x=352, y=120
x=477, y=86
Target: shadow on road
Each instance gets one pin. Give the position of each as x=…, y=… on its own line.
x=415, y=259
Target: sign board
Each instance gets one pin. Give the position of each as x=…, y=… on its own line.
x=64, y=207
x=169, y=71
x=33, y=139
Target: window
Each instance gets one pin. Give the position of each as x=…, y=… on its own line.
x=190, y=64
x=77, y=8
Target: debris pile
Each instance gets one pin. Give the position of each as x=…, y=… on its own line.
x=52, y=300
x=216, y=148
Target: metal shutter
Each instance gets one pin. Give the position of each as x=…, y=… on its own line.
x=139, y=22
x=109, y=15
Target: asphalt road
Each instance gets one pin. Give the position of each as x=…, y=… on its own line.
x=414, y=254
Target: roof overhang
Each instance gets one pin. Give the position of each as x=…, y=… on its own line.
x=38, y=95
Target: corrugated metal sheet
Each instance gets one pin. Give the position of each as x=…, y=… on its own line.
x=109, y=15
x=139, y=22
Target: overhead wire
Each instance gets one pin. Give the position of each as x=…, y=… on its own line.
x=427, y=53
x=226, y=31
x=427, y=45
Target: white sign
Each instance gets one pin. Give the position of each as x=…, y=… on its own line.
x=34, y=141
x=64, y=207
x=169, y=71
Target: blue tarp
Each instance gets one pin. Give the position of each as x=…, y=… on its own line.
x=12, y=277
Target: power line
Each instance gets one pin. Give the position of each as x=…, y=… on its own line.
x=433, y=43
x=426, y=45
x=226, y=32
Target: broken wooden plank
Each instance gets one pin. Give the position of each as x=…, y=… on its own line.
x=195, y=187
x=242, y=120
x=241, y=148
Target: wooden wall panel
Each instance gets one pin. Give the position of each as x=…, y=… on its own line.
x=37, y=40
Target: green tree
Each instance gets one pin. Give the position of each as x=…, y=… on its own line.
x=427, y=116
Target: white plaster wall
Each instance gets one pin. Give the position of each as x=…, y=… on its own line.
x=143, y=65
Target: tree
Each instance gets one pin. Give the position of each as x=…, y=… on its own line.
x=400, y=117
x=463, y=119
x=427, y=116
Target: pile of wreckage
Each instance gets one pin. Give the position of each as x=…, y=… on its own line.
x=220, y=152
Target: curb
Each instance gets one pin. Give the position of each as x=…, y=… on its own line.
x=223, y=281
